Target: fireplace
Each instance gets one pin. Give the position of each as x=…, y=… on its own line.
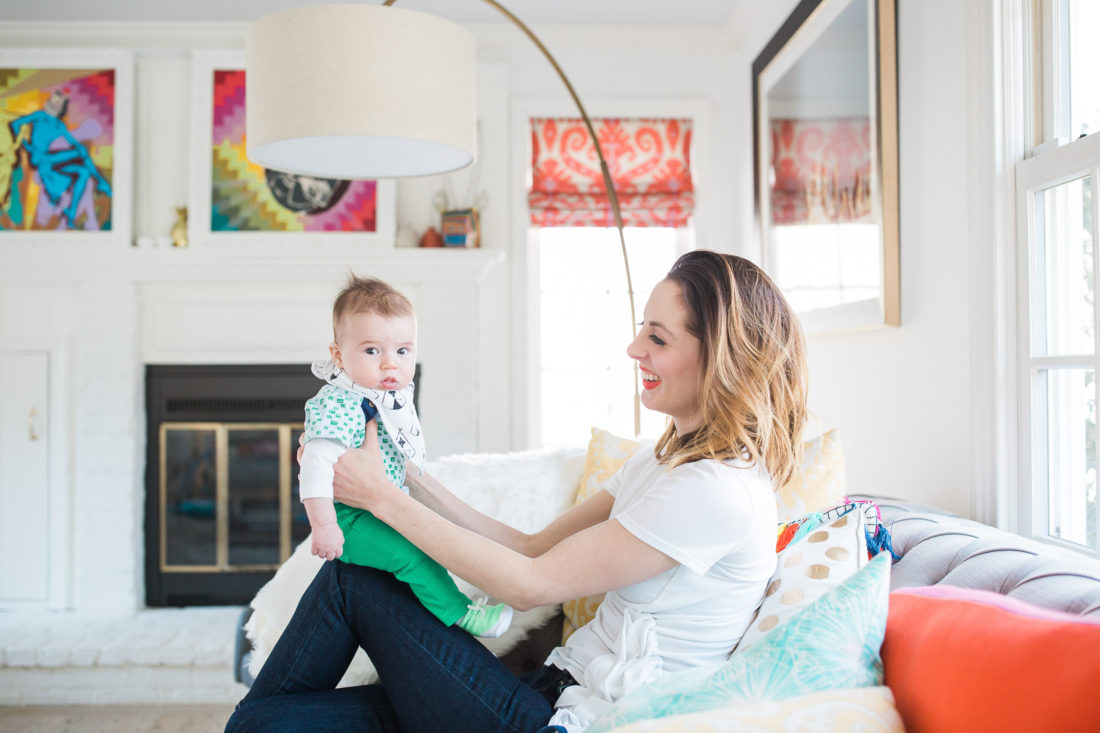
x=221, y=510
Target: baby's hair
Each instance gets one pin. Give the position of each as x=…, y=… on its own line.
x=368, y=295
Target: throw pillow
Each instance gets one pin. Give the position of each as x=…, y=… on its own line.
x=606, y=455
x=808, y=568
x=965, y=660
x=819, y=481
x=832, y=644
x=864, y=709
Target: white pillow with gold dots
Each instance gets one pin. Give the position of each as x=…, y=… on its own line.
x=809, y=568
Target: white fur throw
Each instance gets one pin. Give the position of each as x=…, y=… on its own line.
x=525, y=490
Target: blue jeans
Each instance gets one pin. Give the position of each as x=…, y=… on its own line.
x=433, y=677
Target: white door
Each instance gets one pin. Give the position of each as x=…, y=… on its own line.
x=24, y=477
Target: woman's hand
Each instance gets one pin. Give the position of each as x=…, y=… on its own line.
x=360, y=476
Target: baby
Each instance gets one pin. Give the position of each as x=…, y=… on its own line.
x=370, y=378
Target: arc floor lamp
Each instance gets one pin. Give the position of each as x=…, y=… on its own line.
x=372, y=91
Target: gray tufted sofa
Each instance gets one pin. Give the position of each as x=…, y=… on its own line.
x=937, y=547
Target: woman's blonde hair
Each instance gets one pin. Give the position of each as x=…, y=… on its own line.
x=754, y=366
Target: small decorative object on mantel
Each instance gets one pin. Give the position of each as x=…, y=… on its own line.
x=179, y=229
x=460, y=218
x=406, y=237
x=431, y=238
x=461, y=228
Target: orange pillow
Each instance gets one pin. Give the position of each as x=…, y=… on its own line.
x=964, y=660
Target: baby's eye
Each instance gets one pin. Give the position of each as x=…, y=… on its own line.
x=370, y=350
x=402, y=351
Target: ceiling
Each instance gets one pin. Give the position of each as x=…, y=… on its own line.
x=709, y=13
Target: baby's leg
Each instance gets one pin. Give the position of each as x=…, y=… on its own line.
x=371, y=542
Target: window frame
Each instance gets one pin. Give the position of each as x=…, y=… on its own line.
x=1034, y=175
x=524, y=276
x=1029, y=152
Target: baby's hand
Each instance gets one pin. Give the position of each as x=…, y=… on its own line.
x=328, y=541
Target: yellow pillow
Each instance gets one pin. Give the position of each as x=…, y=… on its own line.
x=606, y=454
x=817, y=485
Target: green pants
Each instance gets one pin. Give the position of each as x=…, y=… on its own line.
x=370, y=542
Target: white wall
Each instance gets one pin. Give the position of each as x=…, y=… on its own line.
x=900, y=397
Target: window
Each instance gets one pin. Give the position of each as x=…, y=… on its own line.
x=585, y=377
x=1069, y=102
x=1059, y=352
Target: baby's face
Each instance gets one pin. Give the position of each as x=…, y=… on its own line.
x=378, y=352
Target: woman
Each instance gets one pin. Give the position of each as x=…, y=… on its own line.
x=681, y=539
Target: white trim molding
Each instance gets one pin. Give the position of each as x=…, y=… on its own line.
x=998, y=66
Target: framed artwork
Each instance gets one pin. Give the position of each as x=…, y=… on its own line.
x=66, y=145
x=233, y=200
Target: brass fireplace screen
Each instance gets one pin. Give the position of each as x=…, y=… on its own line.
x=228, y=496
x=222, y=508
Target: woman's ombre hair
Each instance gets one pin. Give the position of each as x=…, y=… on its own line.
x=754, y=366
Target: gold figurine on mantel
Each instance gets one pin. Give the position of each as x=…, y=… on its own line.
x=179, y=229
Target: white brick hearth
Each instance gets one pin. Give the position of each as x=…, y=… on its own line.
x=153, y=656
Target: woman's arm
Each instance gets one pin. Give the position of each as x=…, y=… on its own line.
x=586, y=552
x=434, y=495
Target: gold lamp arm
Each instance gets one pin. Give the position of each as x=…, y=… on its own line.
x=612, y=196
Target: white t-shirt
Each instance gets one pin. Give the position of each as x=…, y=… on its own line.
x=717, y=519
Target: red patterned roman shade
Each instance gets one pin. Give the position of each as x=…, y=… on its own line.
x=822, y=170
x=649, y=161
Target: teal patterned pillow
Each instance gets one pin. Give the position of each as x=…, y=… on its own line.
x=831, y=644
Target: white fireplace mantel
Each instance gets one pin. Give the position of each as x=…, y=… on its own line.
x=102, y=314
x=251, y=262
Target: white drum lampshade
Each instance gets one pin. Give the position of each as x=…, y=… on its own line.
x=360, y=91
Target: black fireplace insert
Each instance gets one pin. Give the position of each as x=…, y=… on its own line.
x=221, y=506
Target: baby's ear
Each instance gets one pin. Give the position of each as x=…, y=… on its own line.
x=334, y=352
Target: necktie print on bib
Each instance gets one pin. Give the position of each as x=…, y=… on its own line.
x=393, y=400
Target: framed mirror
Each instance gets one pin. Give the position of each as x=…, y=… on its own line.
x=825, y=137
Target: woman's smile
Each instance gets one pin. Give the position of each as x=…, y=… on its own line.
x=649, y=379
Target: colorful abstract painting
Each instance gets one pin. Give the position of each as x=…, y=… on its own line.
x=248, y=197
x=57, y=149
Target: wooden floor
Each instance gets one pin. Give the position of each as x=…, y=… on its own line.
x=115, y=718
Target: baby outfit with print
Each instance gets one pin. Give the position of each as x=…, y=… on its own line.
x=337, y=414
x=336, y=419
